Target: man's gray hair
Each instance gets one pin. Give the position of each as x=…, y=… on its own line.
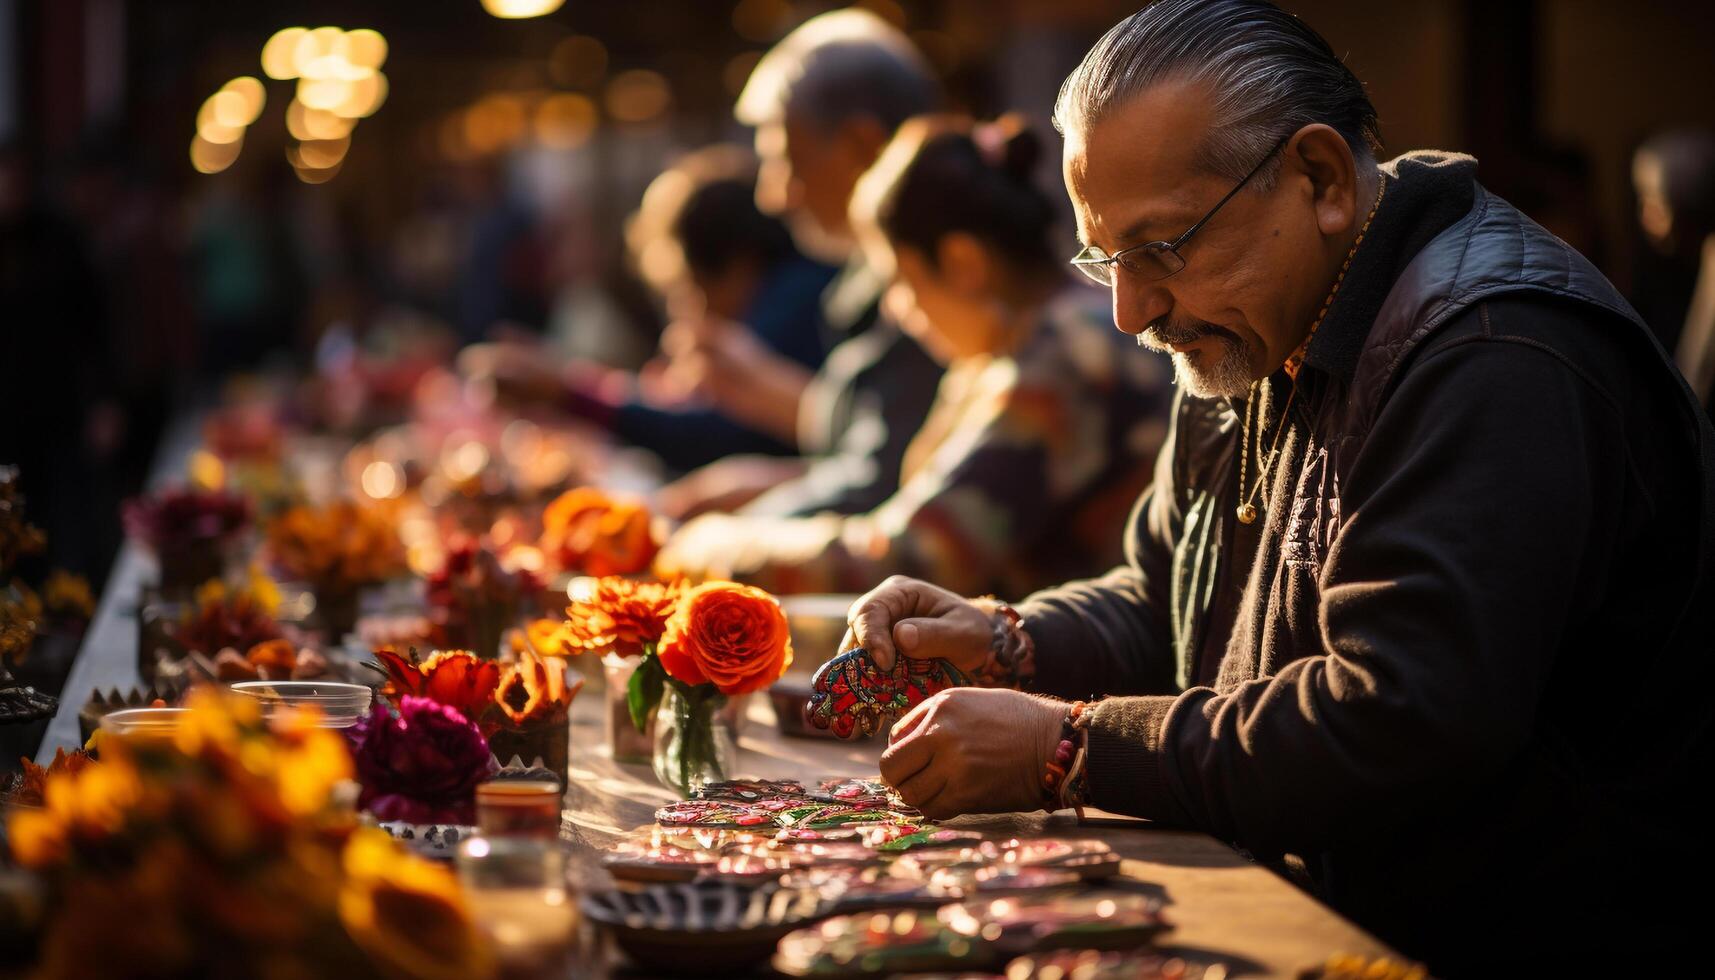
x=1269, y=73
x=838, y=66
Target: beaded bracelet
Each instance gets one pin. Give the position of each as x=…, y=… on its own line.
x=1075, y=788
x=1068, y=761
x=1011, y=658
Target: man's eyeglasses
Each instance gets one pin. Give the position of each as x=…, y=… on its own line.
x=1157, y=260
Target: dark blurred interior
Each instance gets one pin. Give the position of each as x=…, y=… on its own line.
x=489, y=190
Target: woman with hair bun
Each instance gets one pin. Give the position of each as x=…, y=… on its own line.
x=1044, y=428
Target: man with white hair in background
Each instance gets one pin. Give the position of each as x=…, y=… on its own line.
x=823, y=102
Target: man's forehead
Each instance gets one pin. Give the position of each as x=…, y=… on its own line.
x=1139, y=163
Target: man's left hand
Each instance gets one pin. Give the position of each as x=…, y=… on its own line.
x=973, y=750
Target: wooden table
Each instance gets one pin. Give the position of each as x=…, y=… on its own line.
x=1219, y=902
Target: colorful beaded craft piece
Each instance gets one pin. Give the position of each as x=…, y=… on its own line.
x=852, y=697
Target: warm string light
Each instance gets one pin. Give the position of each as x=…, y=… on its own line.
x=222, y=121
x=339, y=81
x=520, y=9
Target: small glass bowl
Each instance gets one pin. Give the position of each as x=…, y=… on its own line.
x=143, y=722
x=341, y=705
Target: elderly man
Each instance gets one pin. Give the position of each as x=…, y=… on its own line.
x=1418, y=608
x=823, y=101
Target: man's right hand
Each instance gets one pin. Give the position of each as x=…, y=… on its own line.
x=922, y=621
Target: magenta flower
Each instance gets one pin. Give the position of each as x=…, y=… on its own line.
x=420, y=765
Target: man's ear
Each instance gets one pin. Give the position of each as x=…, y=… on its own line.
x=1320, y=155
x=964, y=262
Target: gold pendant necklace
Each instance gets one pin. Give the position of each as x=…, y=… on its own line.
x=1247, y=510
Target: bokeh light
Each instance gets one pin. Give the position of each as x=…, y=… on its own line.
x=761, y=20
x=737, y=71
x=494, y=122
x=565, y=120
x=518, y=9
x=241, y=102
x=323, y=93
x=212, y=158
x=278, y=53
x=579, y=61
x=638, y=95
x=363, y=97
x=364, y=48
x=312, y=48
x=316, y=124
x=209, y=118
x=322, y=154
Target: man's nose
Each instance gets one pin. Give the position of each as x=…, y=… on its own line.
x=1138, y=304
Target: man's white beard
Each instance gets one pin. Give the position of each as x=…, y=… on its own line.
x=1228, y=375
x=1224, y=370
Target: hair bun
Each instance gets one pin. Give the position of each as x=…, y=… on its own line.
x=1021, y=148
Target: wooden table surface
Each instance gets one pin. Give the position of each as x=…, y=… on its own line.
x=1219, y=902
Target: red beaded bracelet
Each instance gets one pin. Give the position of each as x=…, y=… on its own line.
x=1067, y=756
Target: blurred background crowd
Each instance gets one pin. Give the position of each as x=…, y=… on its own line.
x=629, y=217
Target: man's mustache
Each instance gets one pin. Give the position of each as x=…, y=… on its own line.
x=1163, y=334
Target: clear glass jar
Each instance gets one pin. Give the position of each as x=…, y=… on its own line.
x=627, y=743
x=517, y=891
x=143, y=722
x=694, y=741
x=341, y=705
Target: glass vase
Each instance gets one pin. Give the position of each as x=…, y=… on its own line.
x=628, y=744
x=694, y=743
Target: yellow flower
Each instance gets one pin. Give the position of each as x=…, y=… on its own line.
x=39, y=838
x=312, y=761
x=215, y=724
x=95, y=801
x=68, y=594
x=407, y=914
x=264, y=590
x=210, y=593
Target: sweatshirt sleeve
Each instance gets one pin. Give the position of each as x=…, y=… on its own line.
x=1474, y=515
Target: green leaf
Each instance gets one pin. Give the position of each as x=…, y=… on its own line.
x=643, y=693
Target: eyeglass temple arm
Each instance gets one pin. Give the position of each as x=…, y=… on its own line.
x=1182, y=239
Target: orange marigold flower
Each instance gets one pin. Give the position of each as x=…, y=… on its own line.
x=622, y=616
x=533, y=689
x=338, y=547
x=278, y=653
x=35, y=778
x=585, y=530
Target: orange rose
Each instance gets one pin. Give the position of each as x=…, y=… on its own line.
x=729, y=635
x=586, y=530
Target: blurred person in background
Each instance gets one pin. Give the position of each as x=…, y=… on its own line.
x=699, y=240
x=823, y=102
x=246, y=272
x=1044, y=428
x=58, y=422
x=1673, y=174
